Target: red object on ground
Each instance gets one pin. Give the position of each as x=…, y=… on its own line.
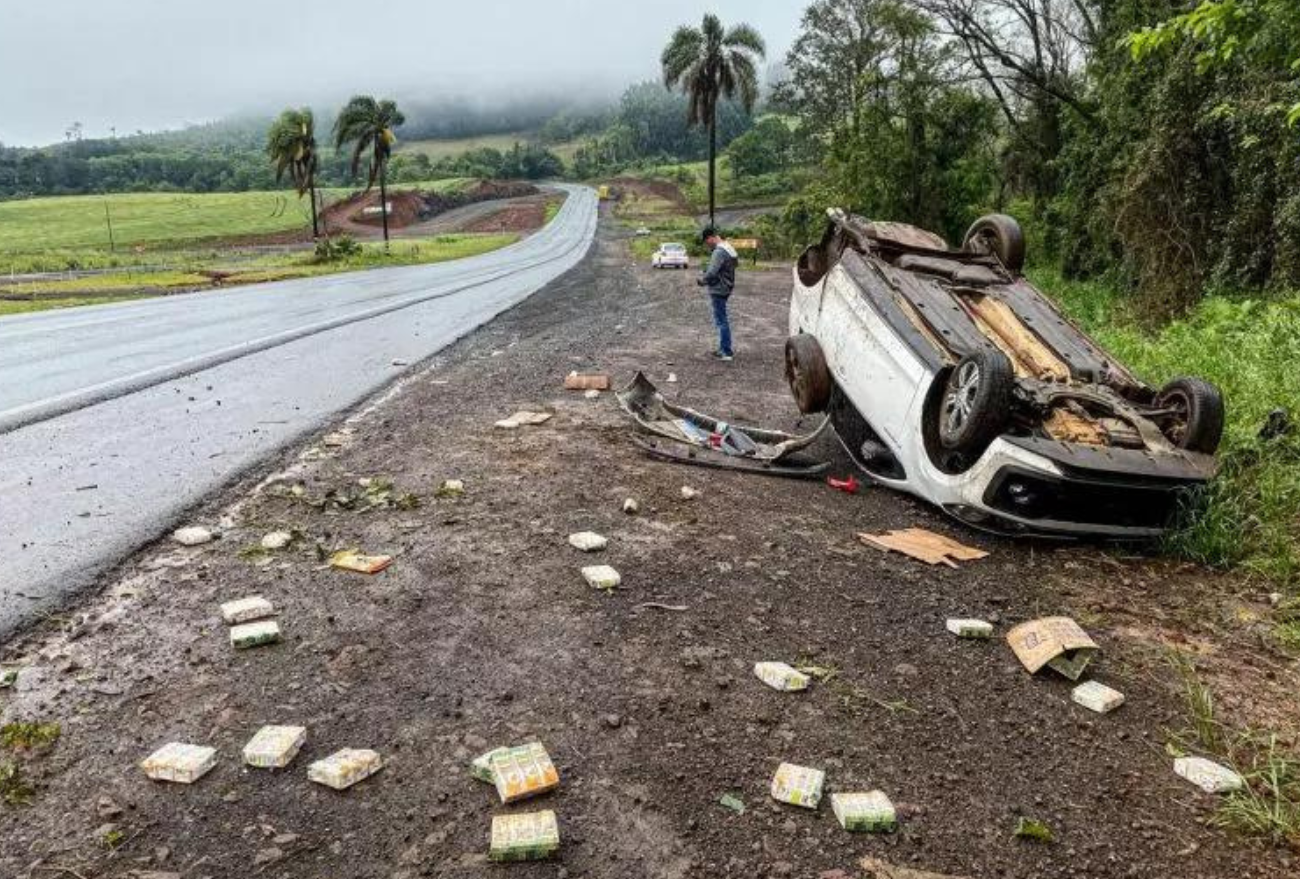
x=848, y=486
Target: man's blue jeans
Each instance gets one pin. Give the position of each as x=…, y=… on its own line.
x=721, y=322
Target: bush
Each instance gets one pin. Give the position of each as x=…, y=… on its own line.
x=337, y=248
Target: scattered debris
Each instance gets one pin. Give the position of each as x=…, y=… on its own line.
x=970, y=628
x=593, y=394
x=245, y=610
x=658, y=605
x=655, y=415
x=1097, y=697
x=1057, y=642
x=1208, y=775
x=588, y=541
x=532, y=836
x=336, y=440
x=450, y=488
x=274, y=747
x=179, y=762
x=247, y=635
x=194, y=535
x=355, y=560
x=925, y=546
x=481, y=766
x=7, y=677
x=798, y=785
x=672, y=378
x=631, y=507
x=689, y=494
x=602, y=577
x=595, y=381
x=1033, y=830
x=524, y=417
x=870, y=812
x=523, y=772
x=733, y=802
x=848, y=486
x=345, y=768
x=277, y=540
x=780, y=676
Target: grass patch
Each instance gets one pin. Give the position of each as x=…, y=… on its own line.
x=1269, y=803
x=1033, y=830
x=14, y=790
x=28, y=736
x=1249, y=348
x=243, y=267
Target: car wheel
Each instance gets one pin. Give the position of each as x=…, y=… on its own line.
x=976, y=402
x=1197, y=422
x=806, y=372
x=1000, y=236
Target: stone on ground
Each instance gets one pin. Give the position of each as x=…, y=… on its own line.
x=245, y=610
x=193, y=535
x=277, y=540
x=1208, y=775
x=689, y=494
x=631, y=507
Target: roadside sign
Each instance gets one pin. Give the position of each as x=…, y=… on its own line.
x=745, y=243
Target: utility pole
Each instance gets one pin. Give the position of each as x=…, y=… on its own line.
x=108, y=220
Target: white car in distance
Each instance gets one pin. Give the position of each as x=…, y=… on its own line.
x=671, y=256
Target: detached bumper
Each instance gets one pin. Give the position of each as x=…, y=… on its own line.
x=1034, y=486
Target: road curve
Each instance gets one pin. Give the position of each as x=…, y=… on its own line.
x=115, y=418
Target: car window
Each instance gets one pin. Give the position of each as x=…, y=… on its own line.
x=673, y=248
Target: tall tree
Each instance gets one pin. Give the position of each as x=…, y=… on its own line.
x=291, y=144
x=709, y=63
x=368, y=125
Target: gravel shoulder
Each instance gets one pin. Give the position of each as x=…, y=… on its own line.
x=483, y=633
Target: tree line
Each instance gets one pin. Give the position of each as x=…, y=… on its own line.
x=1140, y=139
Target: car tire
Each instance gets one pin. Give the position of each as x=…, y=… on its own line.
x=976, y=402
x=999, y=235
x=1199, y=425
x=807, y=373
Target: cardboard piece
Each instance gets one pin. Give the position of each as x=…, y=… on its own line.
x=1097, y=697
x=523, y=417
x=352, y=560
x=925, y=546
x=274, y=747
x=523, y=772
x=180, y=763
x=345, y=768
x=596, y=381
x=1056, y=642
x=245, y=610
x=780, y=676
x=248, y=635
x=531, y=836
x=798, y=785
x=870, y=812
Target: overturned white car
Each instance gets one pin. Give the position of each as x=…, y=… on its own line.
x=947, y=375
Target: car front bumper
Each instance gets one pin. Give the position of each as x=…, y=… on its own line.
x=1030, y=486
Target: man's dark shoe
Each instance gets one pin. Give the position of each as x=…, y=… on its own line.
x=726, y=358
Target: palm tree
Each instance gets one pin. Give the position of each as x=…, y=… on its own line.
x=710, y=63
x=368, y=124
x=291, y=144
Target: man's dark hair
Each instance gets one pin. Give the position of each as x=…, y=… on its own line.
x=709, y=232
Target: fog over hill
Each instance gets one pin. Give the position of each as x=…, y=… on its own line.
x=127, y=65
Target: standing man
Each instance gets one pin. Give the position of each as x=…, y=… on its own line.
x=719, y=279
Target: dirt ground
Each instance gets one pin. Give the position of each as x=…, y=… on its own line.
x=483, y=633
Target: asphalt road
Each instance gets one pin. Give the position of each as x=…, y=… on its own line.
x=115, y=419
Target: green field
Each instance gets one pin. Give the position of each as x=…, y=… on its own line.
x=153, y=219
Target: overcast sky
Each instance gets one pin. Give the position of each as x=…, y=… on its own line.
x=148, y=64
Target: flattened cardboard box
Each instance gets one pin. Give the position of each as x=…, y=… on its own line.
x=523, y=772
x=528, y=837
x=1056, y=642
